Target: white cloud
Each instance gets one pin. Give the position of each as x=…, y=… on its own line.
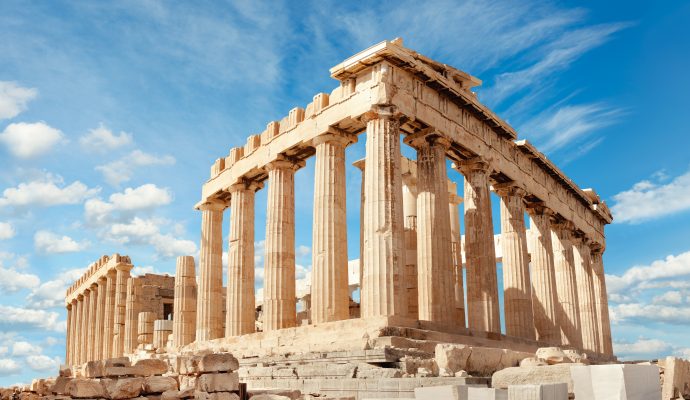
x=43, y=363
x=26, y=140
x=121, y=170
x=52, y=293
x=649, y=313
x=144, y=197
x=147, y=232
x=9, y=367
x=101, y=139
x=672, y=267
x=50, y=243
x=4, y=350
x=12, y=280
x=650, y=199
x=22, y=348
x=672, y=297
x=303, y=251
x=6, y=231
x=642, y=348
x=17, y=318
x=48, y=190
x=13, y=99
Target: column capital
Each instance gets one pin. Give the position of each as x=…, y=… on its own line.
x=284, y=162
x=563, y=226
x=101, y=281
x=379, y=111
x=74, y=302
x=474, y=164
x=510, y=188
x=336, y=136
x=124, y=267
x=539, y=208
x=69, y=305
x=454, y=199
x=246, y=184
x=596, y=248
x=211, y=205
x=111, y=273
x=360, y=164
x=93, y=286
x=427, y=137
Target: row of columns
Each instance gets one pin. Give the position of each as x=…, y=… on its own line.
x=559, y=298
x=96, y=318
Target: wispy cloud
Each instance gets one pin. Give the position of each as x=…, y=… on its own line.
x=102, y=139
x=651, y=198
x=122, y=170
x=51, y=243
x=14, y=98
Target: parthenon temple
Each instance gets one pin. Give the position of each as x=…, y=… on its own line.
x=418, y=277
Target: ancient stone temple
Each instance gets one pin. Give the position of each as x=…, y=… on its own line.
x=421, y=282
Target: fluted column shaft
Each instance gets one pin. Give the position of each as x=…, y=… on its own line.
x=85, y=323
x=78, y=336
x=122, y=275
x=456, y=250
x=480, y=253
x=184, y=304
x=383, y=291
x=132, y=309
x=410, y=223
x=109, y=314
x=329, y=290
x=73, y=334
x=564, y=264
x=99, y=320
x=360, y=165
x=517, y=293
x=585, y=293
x=545, y=305
x=209, y=309
x=434, y=257
x=70, y=317
x=601, y=300
x=240, y=314
x=279, y=306
x=93, y=306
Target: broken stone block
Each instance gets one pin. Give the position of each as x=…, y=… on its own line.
x=483, y=393
x=268, y=396
x=60, y=385
x=117, y=362
x=85, y=388
x=188, y=365
x=218, y=382
x=483, y=361
x=151, y=366
x=215, y=396
x=290, y=394
x=218, y=362
x=559, y=373
x=450, y=392
x=123, y=388
x=93, y=369
x=616, y=382
x=552, y=355
x=188, y=382
x=119, y=371
x=159, y=384
x=452, y=357
x=547, y=391
x=532, y=362
x=178, y=394
x=65, y=371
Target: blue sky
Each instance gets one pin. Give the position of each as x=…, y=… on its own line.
x=111, y=115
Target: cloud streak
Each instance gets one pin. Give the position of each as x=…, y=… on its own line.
x=651, y=199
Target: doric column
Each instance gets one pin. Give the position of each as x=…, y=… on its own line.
x=93, y=305
x=184, y=304
x=329, y=289
x=517, y=292
x=209, y=306
x=132, y=309
x=480, y=253
x=564, y=264
x=545, y=306
x=109, y=314
x=122, y=275
x=145, y=322
x=241, y=308
x=99, y=320
x=73, y=333
x=79, y=323
x=383, y=291
x=279, y=308
x=410, y=223
x=435, y=286
x=85, y=324
x=360, y=165
x=601, y=299
x=585, y=295
x=70, y=317
x=456, y=249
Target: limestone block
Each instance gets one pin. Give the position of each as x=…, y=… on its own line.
x=218, y=362
x=65, y=370
x=452, y=357
x=483, y=393
x=287, y=393
x=284, y=373
x=450, y=392
x=60, y=385
x=576, y=357
x=159, y=384
x=119, y=371
x=218, y=382
x=85, y=388
x=215, y=396
x=532, y=362
x=151, y=366
x=28, y=396
x=268, y=396
x=483, y=361
x=552, y=355
x=368, y=371
x=117, y=362
x=123, y=388
x=559, y=373
x=178, y=394
x=676, y=378
x=616, y=382
x=548, y=391
x=93, y=369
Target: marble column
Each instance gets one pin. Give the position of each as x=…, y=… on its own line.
x=85, y=324
x=330, y=300
x=132, y=309
x=279, y=308
x=100, y=317
x=184, y=303
x=564, y=265
x=122, y=275
x=241, y=303
x=585, y=294
x=145, y=322
x=109, y=314
x=601, y=299
x=436, y=286
x=545, y=304
x=93, y=306
x=517, y=292
x=410, y=224
x=456, y=249
x=78, y=336
x=73, y=335
x=383, y=291
x=70, y=317
x=209, y=306
x=480, y=253
x=360, y=165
